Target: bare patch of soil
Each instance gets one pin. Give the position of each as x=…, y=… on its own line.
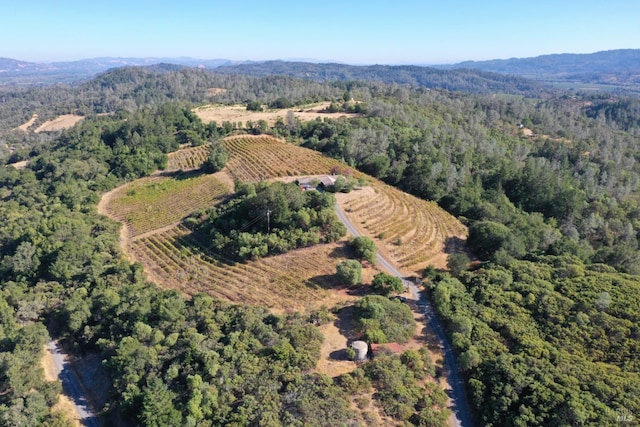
x=356, y=193
x=213, y=91
x=20, y=165
x=333, y=357
x=50, y=373
x=104, y=202
x=527, y=132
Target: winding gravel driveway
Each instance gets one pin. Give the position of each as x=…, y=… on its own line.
x=459, y=405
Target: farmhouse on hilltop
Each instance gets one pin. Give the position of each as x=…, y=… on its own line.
x=313, y=183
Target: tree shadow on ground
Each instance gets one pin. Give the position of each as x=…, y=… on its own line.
x=425, y=336
x=181, y=174
x=339, y=354
x=325, y=281
x=345, y=322
x=455, y=245
x=341, y=252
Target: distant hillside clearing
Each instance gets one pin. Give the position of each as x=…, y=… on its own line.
x=59, y=123
x=239, y=113
x=26, y=125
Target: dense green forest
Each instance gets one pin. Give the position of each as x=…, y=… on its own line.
x=546, y=326
x=545, y=342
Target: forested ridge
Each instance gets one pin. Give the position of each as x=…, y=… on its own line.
x=546, y=326
x=472, y=81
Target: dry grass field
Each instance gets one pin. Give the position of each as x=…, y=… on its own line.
x=64, y=121
x=59, y=123
x=239, y=113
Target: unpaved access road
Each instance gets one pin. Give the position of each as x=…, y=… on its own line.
x=71, y=385
x=459, y=405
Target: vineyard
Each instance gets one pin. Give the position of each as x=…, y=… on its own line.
x=297, y=280
x=413, y=231
x=159, y=201
x=258, y=158
x=187, y=158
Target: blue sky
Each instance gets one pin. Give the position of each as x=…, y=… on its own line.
x=356, y=32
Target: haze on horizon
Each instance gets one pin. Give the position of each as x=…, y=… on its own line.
x=358, y=32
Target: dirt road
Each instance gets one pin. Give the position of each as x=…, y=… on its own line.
x=71, y=385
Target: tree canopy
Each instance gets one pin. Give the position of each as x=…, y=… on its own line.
x=386, y=284
x=365, y=248
x=529, y=331
x=383, y=320
x=271, y=218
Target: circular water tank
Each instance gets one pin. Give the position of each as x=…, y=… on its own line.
x=361, y=349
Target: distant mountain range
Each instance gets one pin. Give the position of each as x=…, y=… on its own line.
x=609, y=61
x=611, y=70
x=15, y=71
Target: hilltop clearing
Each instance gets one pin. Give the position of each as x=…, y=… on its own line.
x=301, y=280
x=412, y=232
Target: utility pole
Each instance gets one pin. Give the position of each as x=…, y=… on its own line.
x=268, y=222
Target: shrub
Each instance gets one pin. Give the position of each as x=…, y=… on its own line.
x=386, y=284
x=365, y=248
x=457, y=263
x=217, y=158
x=254, y=106
x=349, y=272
